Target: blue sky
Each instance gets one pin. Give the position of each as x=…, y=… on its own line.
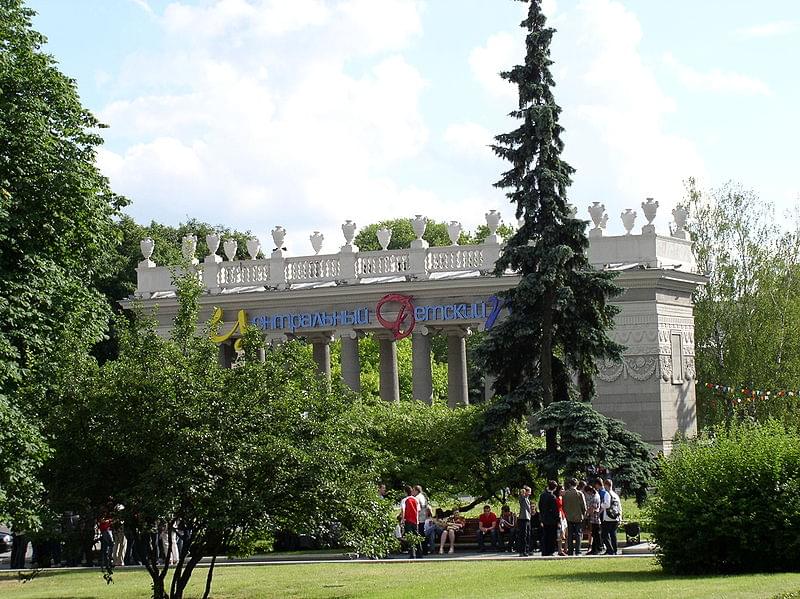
x=305, y=113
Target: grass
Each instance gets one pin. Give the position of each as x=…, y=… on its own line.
x=608, y=578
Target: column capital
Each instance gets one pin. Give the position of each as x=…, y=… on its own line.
x=322, y=337
x=421, y=329
x=347, y=334
x=276, y=338
x=456, y=331
x=383, y=334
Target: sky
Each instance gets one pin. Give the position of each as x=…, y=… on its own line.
x=305, y=113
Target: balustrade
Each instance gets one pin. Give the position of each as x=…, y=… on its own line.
x=348, y=266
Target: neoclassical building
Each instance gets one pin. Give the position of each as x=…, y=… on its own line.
x=422, y=291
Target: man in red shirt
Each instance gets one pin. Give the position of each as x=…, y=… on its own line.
x=487, y=525
x=409, y=509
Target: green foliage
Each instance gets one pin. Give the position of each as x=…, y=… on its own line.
x=587, y=438
x=436, y=446
x=166, y=252
x=56, y=236
x=369, y=355
x=23, y=453
x=559, y=313
x=235, y=454
x=729, y=502
x=402, y=235
x=747, y=317
x=482, y=232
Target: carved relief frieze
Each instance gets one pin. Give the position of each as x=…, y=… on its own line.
x=638, y=368
x=642, y=368
x=665, y=365
x=688, y=368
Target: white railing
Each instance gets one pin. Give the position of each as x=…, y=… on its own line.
x=454, y=258
x=349, y=266
x=243, y=273
x=313, y=269
x=382, y=263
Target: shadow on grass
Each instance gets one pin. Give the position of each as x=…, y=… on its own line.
x=618, y=576
x=25, y=575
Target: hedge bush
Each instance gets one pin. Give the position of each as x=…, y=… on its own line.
x=729, y=502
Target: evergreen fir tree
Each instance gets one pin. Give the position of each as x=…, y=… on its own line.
x=558, y=313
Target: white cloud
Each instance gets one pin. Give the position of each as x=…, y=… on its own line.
x=501, y=52
x=469, y=139
x=716, y=80
x=237, y=122
x=614, y=110
x=144, y=5
x=773, y=29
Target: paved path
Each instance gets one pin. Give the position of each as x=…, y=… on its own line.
x=343, y=558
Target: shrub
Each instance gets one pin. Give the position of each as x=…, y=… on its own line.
x=729, y=502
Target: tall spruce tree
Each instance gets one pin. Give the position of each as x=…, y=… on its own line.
x=558, y=313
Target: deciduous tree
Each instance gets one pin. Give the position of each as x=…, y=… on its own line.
x=56, y=227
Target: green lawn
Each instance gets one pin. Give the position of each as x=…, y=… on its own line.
x=612, y=577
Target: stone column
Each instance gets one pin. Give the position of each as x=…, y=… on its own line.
x=322, y=355
x=422, y=381
x=457, y=390
x=390, y=387
x=488, y=381
x=351, y=364
x=227, y=355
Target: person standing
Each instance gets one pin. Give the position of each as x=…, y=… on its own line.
x=104, y=524
x=593, y=519
x=550, y=518
x=612, y=516
x=409, y=514
x=19, y=549
x=422, y=504
x=524, y=522
x=575, y=511
x=605, y=502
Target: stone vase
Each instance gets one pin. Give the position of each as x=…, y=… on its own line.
x=596, y=211
x=147, y=245
x=649, y=209
x=230, y=246
x=384, y=236
x=212, y=242
x=278, y=235
x=454, y=231
x=349, y=232
x=492, y=221
x=680, y=214
x=628, y=219
x=253, y=247
x=418, y=224
x=316, y=239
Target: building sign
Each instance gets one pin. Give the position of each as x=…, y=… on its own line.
x=395, y=312
x=238, y=327
x=404, y=321
x=312, y=320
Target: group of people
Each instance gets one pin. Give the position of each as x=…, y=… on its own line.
x=555, y=524
x=564, y=513
x=75, y=542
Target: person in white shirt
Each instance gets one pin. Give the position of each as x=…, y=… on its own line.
x=612, y=516
x=422, y=504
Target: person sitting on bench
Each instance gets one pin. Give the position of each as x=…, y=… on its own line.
x=487, y=525
x=506, y=528
x=451, y=525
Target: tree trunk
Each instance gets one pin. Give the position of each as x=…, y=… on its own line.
x=209, y=576
x=151, y=565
